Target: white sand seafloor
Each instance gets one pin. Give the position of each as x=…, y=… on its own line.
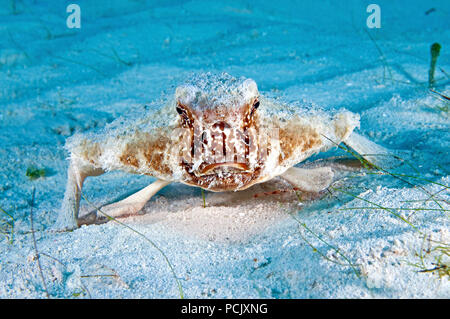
x=56, y=81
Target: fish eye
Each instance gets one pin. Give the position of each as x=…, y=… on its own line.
x=179, y=110
x=252, y=111
x=182, y=111
x=185, y=119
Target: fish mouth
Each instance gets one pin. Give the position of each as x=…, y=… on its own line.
x=226, y=167
x=221, y=177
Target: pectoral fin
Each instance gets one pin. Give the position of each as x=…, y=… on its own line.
x=370, y=151
x=309, y=180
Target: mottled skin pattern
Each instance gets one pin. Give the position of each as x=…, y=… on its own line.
x=218, y=133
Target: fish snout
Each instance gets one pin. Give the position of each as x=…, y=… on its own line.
x=220, y=149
